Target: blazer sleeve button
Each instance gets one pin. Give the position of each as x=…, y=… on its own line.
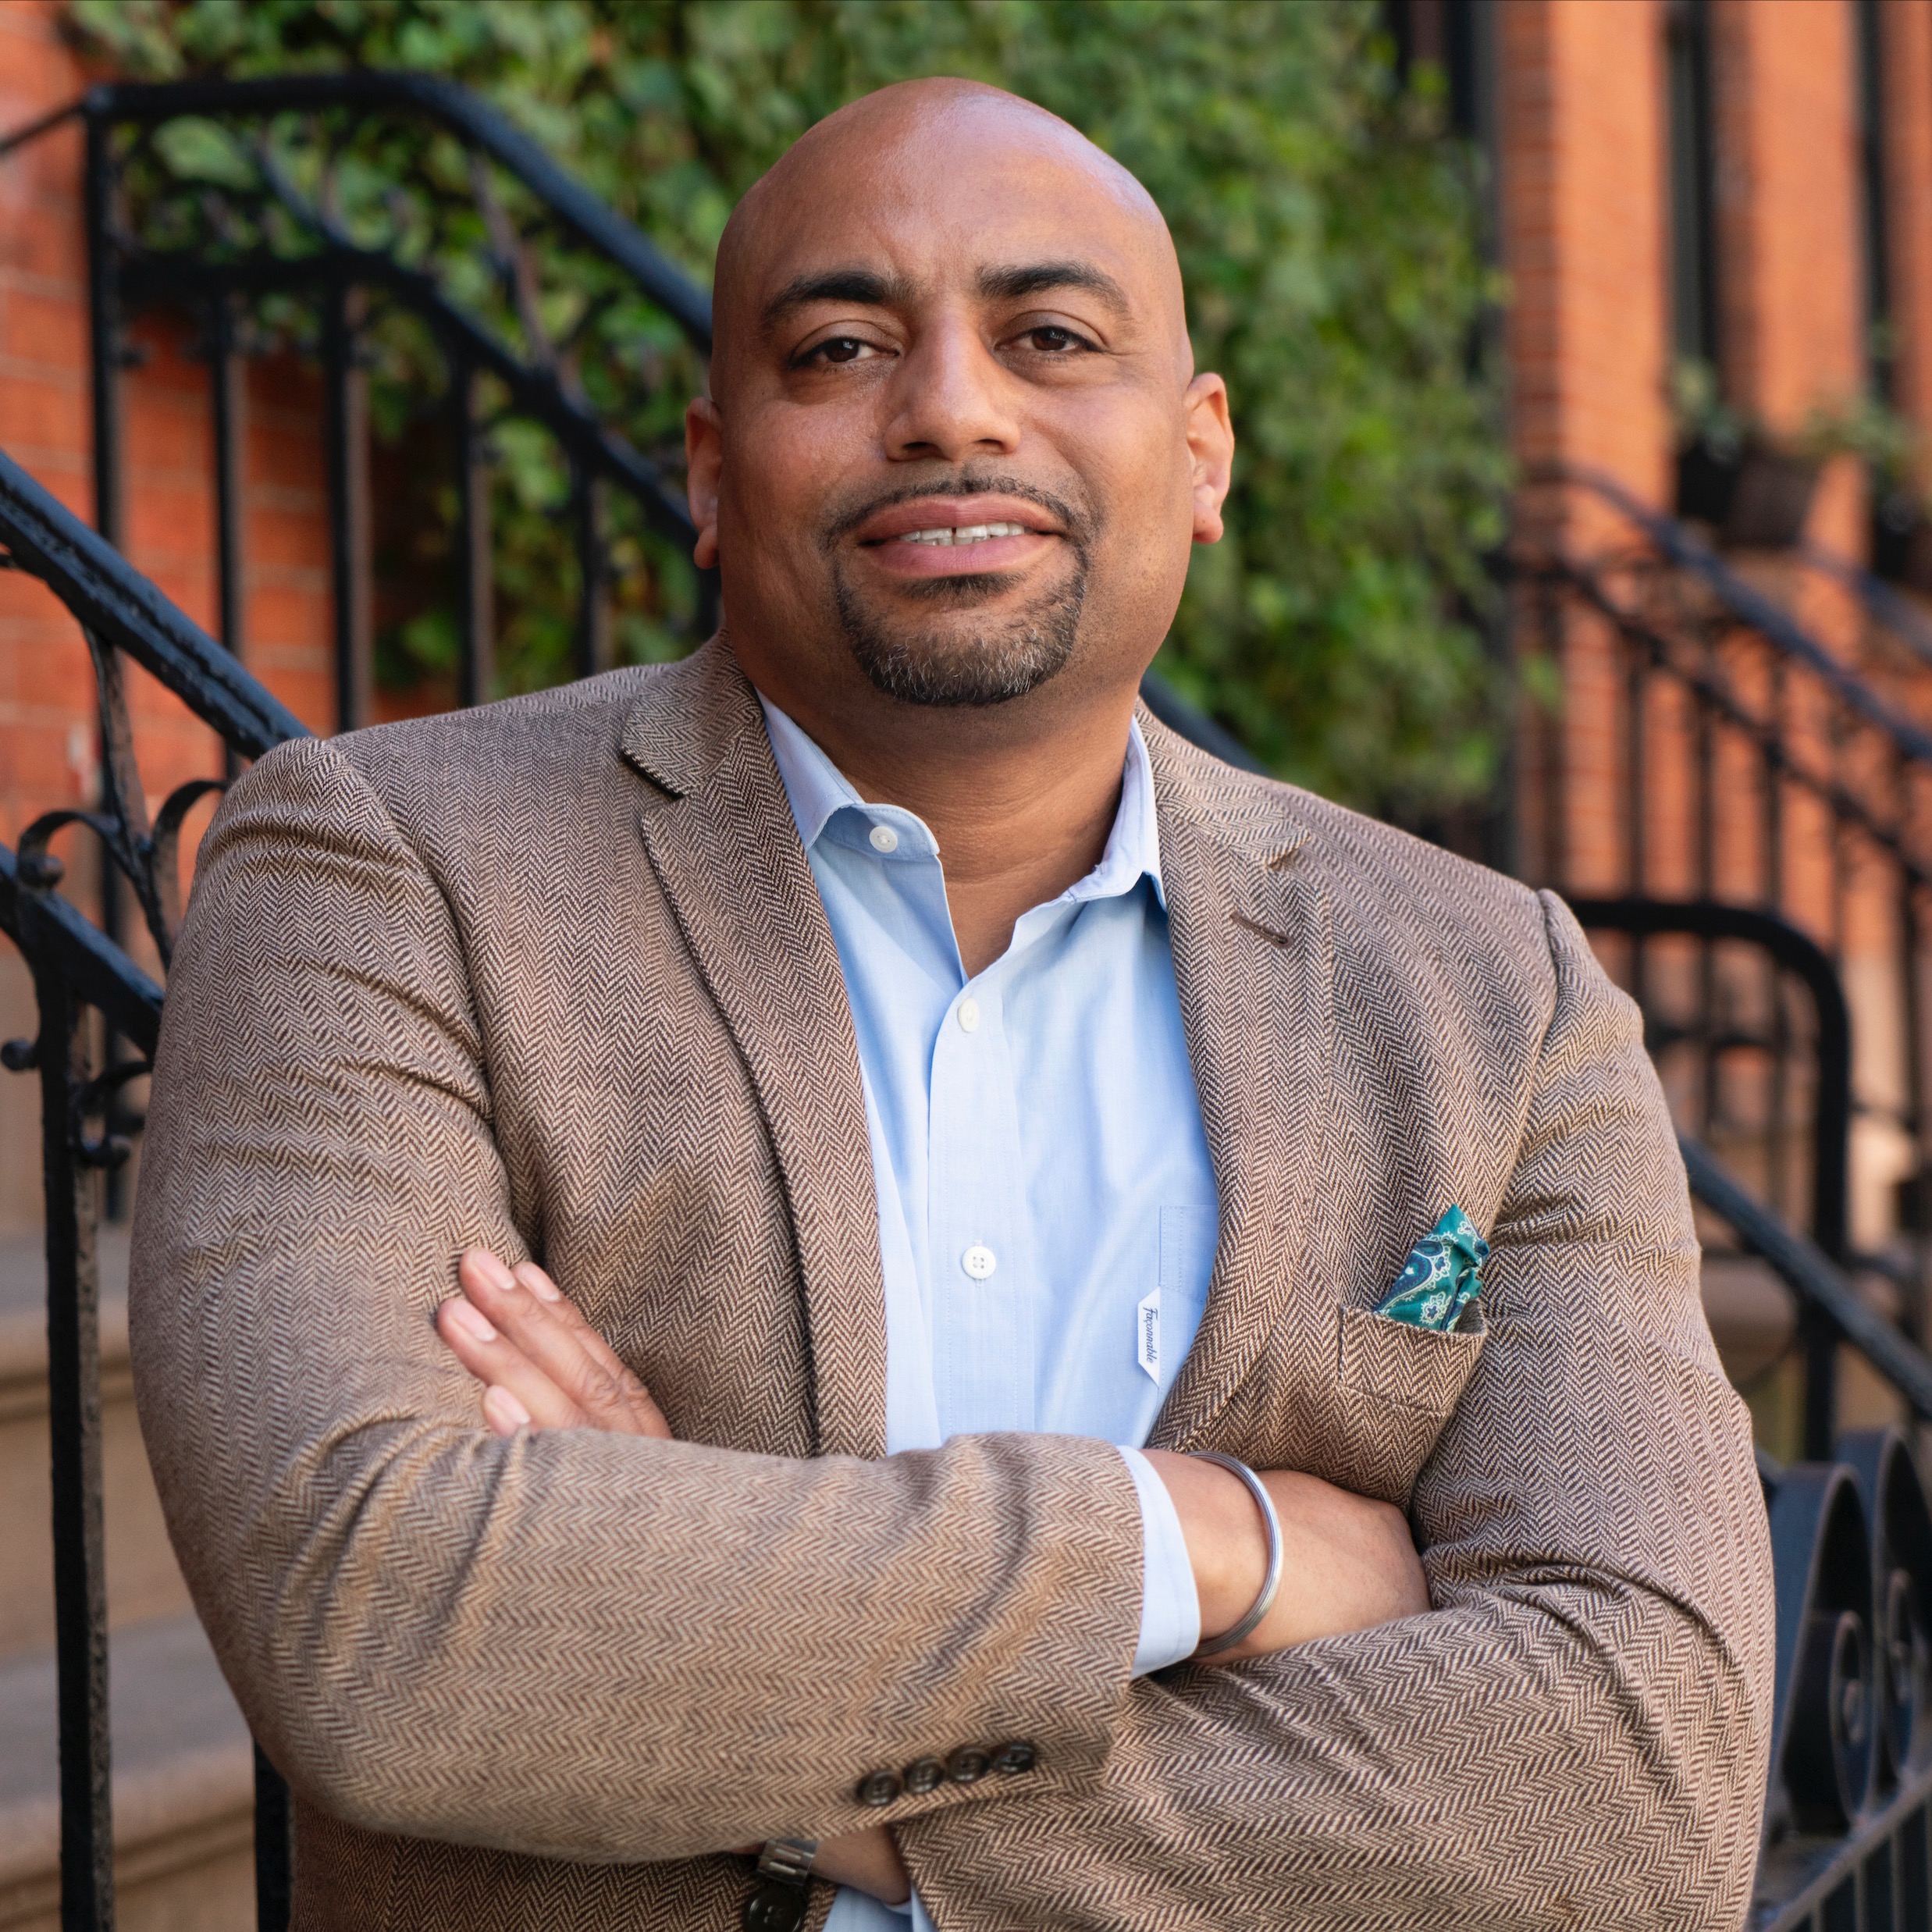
x=776, y=1909
x=926, y=1775
x=1011, y=1759
x=877, y=1787
x=967, y=1765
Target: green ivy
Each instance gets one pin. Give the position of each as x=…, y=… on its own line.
x=1328, y=232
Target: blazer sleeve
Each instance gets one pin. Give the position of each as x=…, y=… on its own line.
x=1577, y=1733
x=569, y=1643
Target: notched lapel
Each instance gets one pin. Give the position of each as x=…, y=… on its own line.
x=726, y=850
x=1254, y=960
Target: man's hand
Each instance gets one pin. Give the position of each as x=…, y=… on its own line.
x=543, y=1366
x=1348, y=1562
x=541, y=1363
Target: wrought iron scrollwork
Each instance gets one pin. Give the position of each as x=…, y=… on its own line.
x=1846, y=1817
x=86, y=1128
x=147, y=855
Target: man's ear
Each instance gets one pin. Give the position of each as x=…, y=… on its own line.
x=704, y=473
x=1211, y=444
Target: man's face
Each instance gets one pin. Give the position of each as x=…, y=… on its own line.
x=952, y=449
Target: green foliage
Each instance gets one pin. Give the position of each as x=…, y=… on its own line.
x=1327, y=232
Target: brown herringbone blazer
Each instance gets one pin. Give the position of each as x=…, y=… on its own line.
x=553, y=975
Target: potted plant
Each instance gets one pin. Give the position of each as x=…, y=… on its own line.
x=1711, y=445
x=1754, y=489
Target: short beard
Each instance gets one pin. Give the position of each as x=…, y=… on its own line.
x=998, y=664
x=992, y=667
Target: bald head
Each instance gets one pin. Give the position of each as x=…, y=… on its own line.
x=955, y=454
x=878, y=154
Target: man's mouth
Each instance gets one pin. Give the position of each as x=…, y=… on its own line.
x=937, y=537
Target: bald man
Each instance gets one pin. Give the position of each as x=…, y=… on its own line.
x=698, y=1231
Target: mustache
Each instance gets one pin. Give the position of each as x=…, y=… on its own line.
x=844, y=518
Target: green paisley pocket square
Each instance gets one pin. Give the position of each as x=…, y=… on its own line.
x=1443, y=1275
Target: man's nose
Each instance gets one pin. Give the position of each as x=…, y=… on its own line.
x=951, y=399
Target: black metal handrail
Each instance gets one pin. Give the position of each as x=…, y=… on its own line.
x=122, y=608
x=1798, y=791
x=1815, y=1280
x=464, y=113
x=266, y=235
x=1681, y=545
x=1798, y=954
x=75, y=966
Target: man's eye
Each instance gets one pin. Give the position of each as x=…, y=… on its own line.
x=839, y=349
x=1052, y=341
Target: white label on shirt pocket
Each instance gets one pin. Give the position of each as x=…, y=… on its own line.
x=1147, y=1334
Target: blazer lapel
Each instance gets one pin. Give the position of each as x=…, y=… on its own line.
x=1253, y=962
x=726, y=851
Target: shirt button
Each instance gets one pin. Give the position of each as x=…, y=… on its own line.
x=979, y=1261
x=884, y=839
x=968, y=1010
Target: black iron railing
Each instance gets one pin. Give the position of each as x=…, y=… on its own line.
x=84, y=1064
x=1714, y=749
x=461, y=243
x=327, y=212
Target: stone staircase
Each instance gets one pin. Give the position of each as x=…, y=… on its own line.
x=183, y=1776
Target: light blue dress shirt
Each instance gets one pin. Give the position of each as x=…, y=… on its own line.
x=1046, y=1207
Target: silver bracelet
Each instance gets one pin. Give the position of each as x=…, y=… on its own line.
x=1270, y=1583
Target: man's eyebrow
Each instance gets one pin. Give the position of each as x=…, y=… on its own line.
x=1034, y=278
x=865, y=286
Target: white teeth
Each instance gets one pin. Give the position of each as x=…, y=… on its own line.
x=971, y=533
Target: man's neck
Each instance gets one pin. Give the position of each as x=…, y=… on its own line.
x=1019, y=817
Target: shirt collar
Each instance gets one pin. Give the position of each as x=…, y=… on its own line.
x=816, y=789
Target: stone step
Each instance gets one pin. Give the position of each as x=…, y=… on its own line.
x=143, y=1580
x=183, y=1787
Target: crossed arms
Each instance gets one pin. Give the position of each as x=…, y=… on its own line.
x=1352, y=1563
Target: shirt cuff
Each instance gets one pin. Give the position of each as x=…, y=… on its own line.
x=1170, y=1607
x=916, y=1912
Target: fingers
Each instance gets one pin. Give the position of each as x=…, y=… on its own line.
x=546, y=1329
x=517, y=1393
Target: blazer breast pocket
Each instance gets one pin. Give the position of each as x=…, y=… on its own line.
x=1397, y=1385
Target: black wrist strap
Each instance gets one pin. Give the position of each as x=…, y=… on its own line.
x=784, y=1875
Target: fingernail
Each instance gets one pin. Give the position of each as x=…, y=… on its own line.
x=539, y=1284
x=494, y=1271
x=507, y=1415
x=469, y=1318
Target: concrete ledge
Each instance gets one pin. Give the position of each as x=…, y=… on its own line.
x=184, y=1782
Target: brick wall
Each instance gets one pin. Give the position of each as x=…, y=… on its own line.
x=47, y=737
